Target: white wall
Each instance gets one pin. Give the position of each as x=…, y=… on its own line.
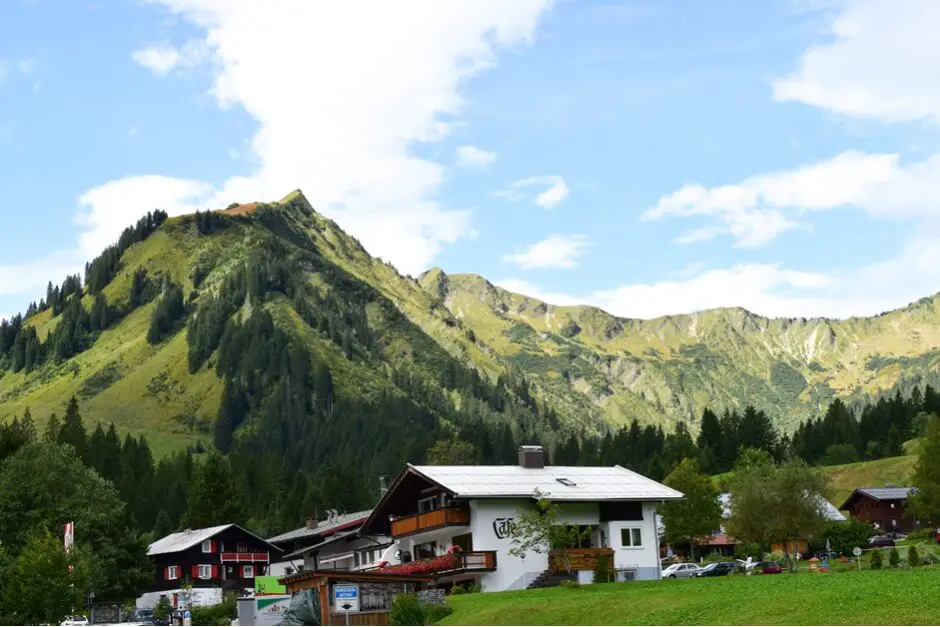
x=645, y=558
x=509, y=569
x=200, y=597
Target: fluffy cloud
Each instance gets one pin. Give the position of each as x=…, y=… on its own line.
x=881, y=63
x=471, y=156
x=341, y=101
x=554, y=190
x=756, y=210
x=163, y=58
x=770, y=289
x=107, y=209
x=555, y=251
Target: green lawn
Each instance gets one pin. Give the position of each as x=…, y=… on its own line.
x=888, y=597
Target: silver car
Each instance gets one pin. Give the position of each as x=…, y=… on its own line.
x=679, y=571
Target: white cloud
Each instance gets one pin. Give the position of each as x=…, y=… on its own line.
x=555, y=190
x=770, y=289
x=343, y=91
x=471, y=156
x=555, y=251
x=882, y=63
x=163, y=58
x=755, y=211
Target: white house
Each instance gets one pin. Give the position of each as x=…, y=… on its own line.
x=430, y=509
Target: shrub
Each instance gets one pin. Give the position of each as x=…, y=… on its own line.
x=474, y=589
x=922, y=534
x=714, y=556
x=894, y=558
x=458, y=589
x=407, y=610
x=437, y=613
x=912, y=558
x=163, y=609
x=602, y=569
x=570, y=583
x=876, y=560
x=222, y=614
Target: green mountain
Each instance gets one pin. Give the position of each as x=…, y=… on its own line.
x=146, y=343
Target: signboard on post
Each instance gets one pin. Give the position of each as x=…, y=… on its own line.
x=346, y=598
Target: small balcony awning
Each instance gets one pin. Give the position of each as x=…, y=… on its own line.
x=336, y=558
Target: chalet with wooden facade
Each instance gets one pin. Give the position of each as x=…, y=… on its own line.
x=309, y=539
x=882, y=507
x=454, y=522
x=215, y=560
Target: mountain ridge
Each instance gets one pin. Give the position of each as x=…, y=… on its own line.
x=591, y=366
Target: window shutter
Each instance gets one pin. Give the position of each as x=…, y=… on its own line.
x=179, y=571
x=215, y=571
x=212, y=547
x=166, y=573
x=195, y=571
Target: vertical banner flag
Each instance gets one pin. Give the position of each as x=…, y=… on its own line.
x=69, y=536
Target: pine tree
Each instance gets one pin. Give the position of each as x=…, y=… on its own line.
x=73, y=431
x=876, y=559
x=894, y=558
x=214, y=499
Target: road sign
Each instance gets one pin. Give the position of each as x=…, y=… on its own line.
x=346, y=597
x=856, y=551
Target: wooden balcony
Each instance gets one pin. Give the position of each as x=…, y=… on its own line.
x=580, y=559
x=445, y=565
x=427, y=521
x=245, y=557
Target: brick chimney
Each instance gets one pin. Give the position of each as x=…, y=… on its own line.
x=531, y=456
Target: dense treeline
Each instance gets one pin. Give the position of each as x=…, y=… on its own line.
x=842, y=435
x=102, y=270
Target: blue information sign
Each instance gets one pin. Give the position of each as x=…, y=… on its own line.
x=346, y=597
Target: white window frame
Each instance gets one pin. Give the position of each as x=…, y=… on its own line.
x=205, y=571
x=207, y=546
x=248, y=571
x=435, y=502
x=172, y=572
x=632, y=532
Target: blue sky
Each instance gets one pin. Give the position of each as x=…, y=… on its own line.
x=646, y=157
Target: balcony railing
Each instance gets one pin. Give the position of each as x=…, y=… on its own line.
x=435, y=519
x=452, y=563
x=244, y=557
x=580, y=559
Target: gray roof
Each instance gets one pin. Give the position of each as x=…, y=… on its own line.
x=182, y=540
x=584, y=483
x=830, y=511
x=324, y=527
x=886, y=494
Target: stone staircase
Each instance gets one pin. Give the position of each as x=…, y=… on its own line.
x=551, y=579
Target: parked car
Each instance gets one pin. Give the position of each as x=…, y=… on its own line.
x=75, y=620
x=679, y=571
x=715, y=569
x=767, y=568
x=880, y=541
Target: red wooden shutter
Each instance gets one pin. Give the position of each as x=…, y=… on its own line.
x=195, y=571
x=166, y=573
x=215, y=571
x=179, y=572
x=212, y=549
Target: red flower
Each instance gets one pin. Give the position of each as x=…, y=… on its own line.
x=440, y=564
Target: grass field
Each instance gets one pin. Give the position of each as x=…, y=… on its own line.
x=888, y=597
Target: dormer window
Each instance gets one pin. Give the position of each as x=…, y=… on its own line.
x=566, y=482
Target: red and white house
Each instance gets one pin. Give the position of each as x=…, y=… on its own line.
x=215, y=560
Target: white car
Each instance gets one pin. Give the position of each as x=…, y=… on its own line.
x=76, y=620
x=679, y=571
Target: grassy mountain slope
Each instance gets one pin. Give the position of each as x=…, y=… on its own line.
x=670, y=368
x=592, y=367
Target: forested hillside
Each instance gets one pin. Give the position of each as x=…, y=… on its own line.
x=265, y=333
